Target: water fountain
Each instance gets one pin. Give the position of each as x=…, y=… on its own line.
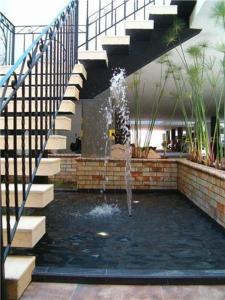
x=119, y=104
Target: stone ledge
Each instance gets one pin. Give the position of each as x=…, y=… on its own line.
x=209, y=170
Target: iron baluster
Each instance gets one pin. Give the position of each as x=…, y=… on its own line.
x=111, y=13
x=50, y=80
x=7, y=199
x=54, y=81
x=41, y=76
x=96, y=32
x=87, y=25
x=115, y=23
x=36, y=141
x=57, y=71
x=29, y=64
x=99, y=17
x=15, y=157
x=23, y=154
x=46, y=94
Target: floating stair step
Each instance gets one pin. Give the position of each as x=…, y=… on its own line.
x=66, y=106
x=163, y=16
x=40, y=195
x=44, y=79
x=29, y=231
x=72, y=92
x=76, y=80
x=92, y=59
x=80, y=69
x=18, y=273
x=116, y=44
x=139, y=30
x=61, y=123
x=47, y=167
x=55, y=142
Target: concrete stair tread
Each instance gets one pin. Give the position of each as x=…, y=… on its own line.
x=80, y=69
x=139, y=30
x=115, y=40
x=116, y=44
x=163, y=16
x=40, y=195
x=77, y=80
x=47, y=167
x=61, y=123
x=71, y=92
x=141, y=25
x=18, y=272
x=29, y=231
x=66, y=106
x=163, y=10
x=55, y=142
x=93, y=58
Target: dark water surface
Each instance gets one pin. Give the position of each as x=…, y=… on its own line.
x=166, y=232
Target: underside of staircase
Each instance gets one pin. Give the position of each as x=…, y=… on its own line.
x=142, y=42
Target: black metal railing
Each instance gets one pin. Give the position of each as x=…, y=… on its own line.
x=107, y=19
x=7, y=41
x=30, y=96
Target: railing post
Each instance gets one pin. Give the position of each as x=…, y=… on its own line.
x=2, y=282
x=87, y=24
x=76, y=30
x=112, y=12
x=99, y=17
x=13, y=46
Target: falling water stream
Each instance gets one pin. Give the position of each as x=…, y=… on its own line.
x=119, y=103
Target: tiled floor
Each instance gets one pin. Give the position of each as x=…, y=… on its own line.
x=56, y=291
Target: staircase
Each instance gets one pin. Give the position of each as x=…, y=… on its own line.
x=141, y=42
x=38, y=93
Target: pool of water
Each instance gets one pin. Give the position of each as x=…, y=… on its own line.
x=165, y=232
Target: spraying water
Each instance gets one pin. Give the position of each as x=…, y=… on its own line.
x=120, y=105
x=104, y=210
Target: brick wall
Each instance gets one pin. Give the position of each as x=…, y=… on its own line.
x=205, y=186
x=89, y=173
x=146, y=174
x=68, y=166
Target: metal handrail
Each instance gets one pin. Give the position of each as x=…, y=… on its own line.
x=110, y=18
x=39, y=76
x=7, y=29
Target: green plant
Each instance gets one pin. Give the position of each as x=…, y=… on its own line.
x=189, y=82
x=137, y=93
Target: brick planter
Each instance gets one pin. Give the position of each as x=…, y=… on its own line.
x=205, y=186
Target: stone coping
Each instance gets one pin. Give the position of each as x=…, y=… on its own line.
x=209, y=170
x=64, y=155
x=169, y=160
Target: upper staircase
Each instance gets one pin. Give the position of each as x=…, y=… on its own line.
x=38, y=95
x=141, y=41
